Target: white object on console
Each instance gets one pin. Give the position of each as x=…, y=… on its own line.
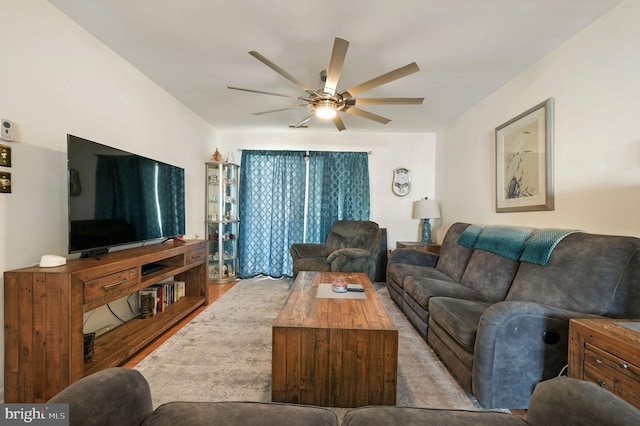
x=51, y=260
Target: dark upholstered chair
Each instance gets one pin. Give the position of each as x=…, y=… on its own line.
x=351, y=246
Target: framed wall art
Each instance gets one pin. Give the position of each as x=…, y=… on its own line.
x=524, y=161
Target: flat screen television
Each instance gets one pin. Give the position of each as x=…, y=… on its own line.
x=119, y=198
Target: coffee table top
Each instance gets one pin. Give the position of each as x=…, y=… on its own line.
x=303, y=309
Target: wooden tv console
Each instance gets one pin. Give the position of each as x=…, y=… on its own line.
x=44, y=307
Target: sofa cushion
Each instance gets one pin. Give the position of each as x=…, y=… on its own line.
x=458, y=317
x=490, y=274
x=421, y=289
x=582, y=274
x=239, y=413
x=403, y=416
x=398, y=272
x=362, y=234
x=453, y=256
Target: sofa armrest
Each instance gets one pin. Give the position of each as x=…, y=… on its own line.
x=348, y=253
x=115, y=396
x=413, y=257
x=305, y=250
x=353, y=260
x=518, y=344
x=567, y=401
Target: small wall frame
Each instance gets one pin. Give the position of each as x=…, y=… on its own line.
x=5, y=156
x=5, y=182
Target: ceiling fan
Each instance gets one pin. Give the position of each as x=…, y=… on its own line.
x=327, y=102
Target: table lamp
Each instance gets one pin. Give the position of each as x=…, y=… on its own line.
x=426, y=209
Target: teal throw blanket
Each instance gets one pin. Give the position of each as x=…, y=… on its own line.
x=507, y=241
x=541, y=244
x=513, y=242
x=470, y=235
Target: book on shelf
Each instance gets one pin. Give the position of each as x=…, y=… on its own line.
x=165, y=293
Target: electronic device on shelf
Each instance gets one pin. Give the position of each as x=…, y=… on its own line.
x=119, y=198
x=151, y=268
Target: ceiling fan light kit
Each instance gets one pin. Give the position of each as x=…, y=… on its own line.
x=325, y=103
x=326, y=109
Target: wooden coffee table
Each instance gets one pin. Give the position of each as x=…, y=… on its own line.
x=334, y=352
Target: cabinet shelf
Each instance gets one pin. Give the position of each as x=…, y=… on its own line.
x=120, y=344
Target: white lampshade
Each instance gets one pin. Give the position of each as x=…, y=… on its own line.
x=426, y=209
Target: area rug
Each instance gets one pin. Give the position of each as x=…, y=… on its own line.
x=224, y=354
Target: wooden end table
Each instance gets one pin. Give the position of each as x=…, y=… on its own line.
x=334, y=352
x=429, y=248
x=607, y=352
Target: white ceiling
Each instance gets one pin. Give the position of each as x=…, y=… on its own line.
x=465, y=49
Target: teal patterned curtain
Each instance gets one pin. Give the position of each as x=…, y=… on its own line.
x=338, y=190
x=272, y=193
x=272, y=203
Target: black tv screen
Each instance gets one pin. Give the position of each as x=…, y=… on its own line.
x=117, y=197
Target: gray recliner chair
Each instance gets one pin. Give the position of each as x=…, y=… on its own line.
x=351, y=246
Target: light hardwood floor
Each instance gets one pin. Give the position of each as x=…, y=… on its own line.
x=215, y=292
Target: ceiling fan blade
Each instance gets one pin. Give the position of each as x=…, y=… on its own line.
x=338, y=54
x=304, y=120
x=339, y=123
x=280, y=109
x=380, y=80
x=385, y=101
x=283, y=73
x=267, y=93
x=365, y=114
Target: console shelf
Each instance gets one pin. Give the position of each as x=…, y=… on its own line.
x=120, y=344
x=44, y=314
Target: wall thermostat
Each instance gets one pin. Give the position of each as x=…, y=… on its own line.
x=7, y=130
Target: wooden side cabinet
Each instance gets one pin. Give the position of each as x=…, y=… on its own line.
x=430, y=248
x=607, y=352
x=44, y=307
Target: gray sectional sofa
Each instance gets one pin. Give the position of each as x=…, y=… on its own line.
x=120, y=396
x=499, y=319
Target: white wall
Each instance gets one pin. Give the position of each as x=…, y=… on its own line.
x=58, y=79
x=595, y=80
x=415, y=151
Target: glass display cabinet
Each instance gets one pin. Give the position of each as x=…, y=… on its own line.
x=222, y=221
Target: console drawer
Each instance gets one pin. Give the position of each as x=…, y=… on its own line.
x=596, y=356
x=193, y=256
x=612, y=373
x=107, y=285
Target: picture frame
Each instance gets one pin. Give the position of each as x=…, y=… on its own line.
x=5, y=156
x=524, y=161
